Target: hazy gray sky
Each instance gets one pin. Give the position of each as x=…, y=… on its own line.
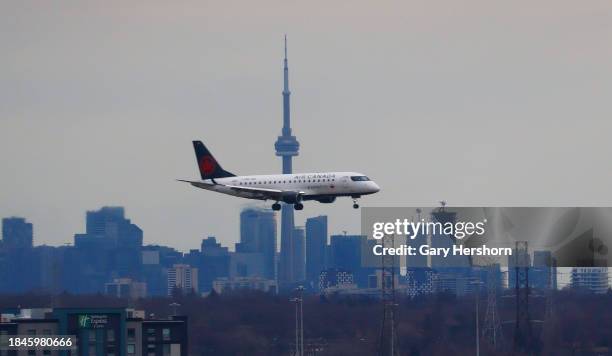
x=477, y=102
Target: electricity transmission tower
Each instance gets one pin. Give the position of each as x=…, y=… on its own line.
x=492, y=331
x=388, y=343
x=299, y=321
x=523, y=337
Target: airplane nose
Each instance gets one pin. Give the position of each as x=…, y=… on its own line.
x=375, y=187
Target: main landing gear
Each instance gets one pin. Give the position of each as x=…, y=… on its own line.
x=297, y=206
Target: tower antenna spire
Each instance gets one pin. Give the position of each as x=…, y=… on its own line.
x=287, y=147
x=286, y=91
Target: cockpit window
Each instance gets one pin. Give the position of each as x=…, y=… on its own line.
x=359, y=178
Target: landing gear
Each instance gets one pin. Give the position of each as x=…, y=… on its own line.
x=298, y=206
x=355, y=205
x=276, y=206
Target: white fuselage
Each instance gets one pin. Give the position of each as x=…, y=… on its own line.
x=309, y=185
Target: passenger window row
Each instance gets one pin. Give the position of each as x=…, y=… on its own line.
x=285, y=181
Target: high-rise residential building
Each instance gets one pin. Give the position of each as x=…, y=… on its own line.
x=210, y=247
x=258, y=235
x=215, y=263
x=299, y=256
x=110, y=248
x=97, y=221
x=346, y=251
x=316, y=243
x=182, y=277
x=110, y=222
x=592, y=279
x=346, y=254
x=17, y=233
x=543, y=275
x=286, y=147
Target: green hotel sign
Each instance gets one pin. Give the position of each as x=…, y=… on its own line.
x=93, y=321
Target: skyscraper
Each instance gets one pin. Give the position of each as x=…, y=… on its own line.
x=215, y=262
x=346, y=254
x=100, y=221
x=543, y=275
x=258, y=235
x=286, y=146
x=299, y=254
x=110, y=222
x=316, y=243
x=17, y=233
x=110, y=248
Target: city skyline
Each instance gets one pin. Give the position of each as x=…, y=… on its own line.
x=562, y=276
x=438, y=101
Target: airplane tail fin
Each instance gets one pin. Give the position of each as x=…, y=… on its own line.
x=207, y=164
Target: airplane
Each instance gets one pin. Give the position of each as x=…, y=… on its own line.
x=287, y=188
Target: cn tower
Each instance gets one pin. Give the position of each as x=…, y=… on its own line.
x=286, y=146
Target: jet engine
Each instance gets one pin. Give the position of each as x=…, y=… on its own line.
x=291, y=197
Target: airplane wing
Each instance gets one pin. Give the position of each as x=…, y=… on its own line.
x=247, y=192
x=259, y=193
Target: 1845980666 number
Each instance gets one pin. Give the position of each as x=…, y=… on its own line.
x=29, y=342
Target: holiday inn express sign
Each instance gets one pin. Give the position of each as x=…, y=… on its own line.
x=93, y=321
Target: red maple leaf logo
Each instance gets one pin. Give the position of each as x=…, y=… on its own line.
x=207, y=165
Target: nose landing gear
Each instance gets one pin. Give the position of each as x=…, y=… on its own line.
x=355, y=205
